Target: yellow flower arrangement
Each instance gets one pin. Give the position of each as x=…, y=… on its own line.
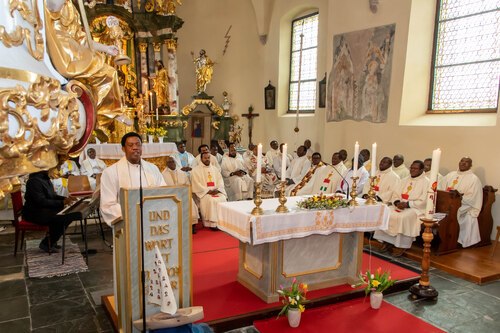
x=322, y=201
x=379, y=281
x=293, y=297
x=160, y=131
x=150, y=130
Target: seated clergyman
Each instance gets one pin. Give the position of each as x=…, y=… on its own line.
x=239, y=185
x=386, y=183
x=305, y=186
x=408, y=203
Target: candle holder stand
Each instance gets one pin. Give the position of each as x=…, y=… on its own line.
x=423, y=288
x=282, y=199
x=257, y=200
x=371, y=200
x=354, y=192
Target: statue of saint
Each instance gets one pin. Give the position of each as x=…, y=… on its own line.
x=204, y=68
x=161, y=84
x=70, y=54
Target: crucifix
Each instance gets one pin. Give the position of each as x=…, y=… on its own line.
x=250, y=117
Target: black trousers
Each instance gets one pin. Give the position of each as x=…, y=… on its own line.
x=57, y=223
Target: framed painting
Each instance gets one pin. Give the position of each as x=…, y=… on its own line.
x=197, y=127
x=270, y=97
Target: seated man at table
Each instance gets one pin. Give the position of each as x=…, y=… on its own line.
x=467, y=183
x=298, y=168
x=174, y=176
x=204, y=149
x=328, y=178
x=408, y=203
x=239, y=185
x=386, y=182
x=183, y=158
x=268, y=177
x=41, y=207
x=208, y=186
x=305, y=186
x=92, y=166
x=130, y=171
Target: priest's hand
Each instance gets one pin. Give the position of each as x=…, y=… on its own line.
x=213, y=192
x=186, y=169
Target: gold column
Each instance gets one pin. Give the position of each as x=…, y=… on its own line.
x=173, y=85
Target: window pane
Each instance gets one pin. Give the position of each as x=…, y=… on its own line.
x=308, y=65
x=466, y=87
x=307, y=96
x=457, y=8
x=310, y=31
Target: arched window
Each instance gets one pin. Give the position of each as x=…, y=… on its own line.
x=304, y=58
x=466, y=64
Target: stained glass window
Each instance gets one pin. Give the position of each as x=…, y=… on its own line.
x=308, y=27
x=466, y=56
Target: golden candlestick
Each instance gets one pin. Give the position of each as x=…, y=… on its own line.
x=257, y=200
x=371, y=200
x=282, y=199
x=354, y=192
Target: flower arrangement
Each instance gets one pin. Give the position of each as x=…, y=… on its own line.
x=379, y=281
x=150, y=130
x=293, y=297
x=160, y=131
x=322, y=201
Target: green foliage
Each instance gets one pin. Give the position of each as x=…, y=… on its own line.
x=379, y=281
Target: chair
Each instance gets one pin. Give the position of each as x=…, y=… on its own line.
x=22, y=225
x=79, y=186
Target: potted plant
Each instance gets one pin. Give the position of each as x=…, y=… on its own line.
x=293, y=299
x=160, y=133
x=375, y=285
x=150, y=131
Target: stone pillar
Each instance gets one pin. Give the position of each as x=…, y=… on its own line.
x=143, y=48
x=173, y=83
x=157, y=49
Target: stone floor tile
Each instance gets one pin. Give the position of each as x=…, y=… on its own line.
x=46, y=290
x=60, y=311
x=13, y=288
x=14, y=308
x=86, y=324
x=16, y=326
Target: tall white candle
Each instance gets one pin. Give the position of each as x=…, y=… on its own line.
x=259, y=163
x=431, y=192
x=283, y=163
x=374, y=159
x=355, y=164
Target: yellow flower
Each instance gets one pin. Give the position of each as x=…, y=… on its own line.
x=301, y=308
x=375, y=283
x=293, y=301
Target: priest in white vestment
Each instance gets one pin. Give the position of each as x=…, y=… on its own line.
x=366, y=157
x=239, y=185
x=129, y=172
x=274, y=151
x=204, y=149
x=268, y=177
x=345, y=185
x=467, y=183
x=278, y=159
x=328, y=178
x=183, y=158
x=208, y=186
x=387, y=183
x=305, y=186
x=343, y=158
x=408, y=204
x=173, y=177
x=214, y=150
x=92, y=166
x=399, y=167
x=427, y=169
x=297, y=170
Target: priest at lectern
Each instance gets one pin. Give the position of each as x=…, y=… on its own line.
x=129, y=172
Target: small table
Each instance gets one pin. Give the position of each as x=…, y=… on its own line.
x=322, y=248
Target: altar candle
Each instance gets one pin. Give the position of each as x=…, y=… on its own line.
x=355, y=164
x=157, y=115
x=259, y=163
x=283, y=163
x=374, y=160
x=150, y=100
x=429, y=206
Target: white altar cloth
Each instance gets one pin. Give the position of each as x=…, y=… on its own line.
x=235, y=219
x=113, y=151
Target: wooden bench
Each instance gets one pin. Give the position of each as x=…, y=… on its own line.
x=447, y=230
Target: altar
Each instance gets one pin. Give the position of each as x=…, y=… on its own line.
x=155, y=153
x=322, y=248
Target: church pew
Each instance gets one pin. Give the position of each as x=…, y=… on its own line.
x=446, y=231
x=485, y=218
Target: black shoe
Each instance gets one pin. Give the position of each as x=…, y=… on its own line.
x=194, y=230
x=45, y=248
x=57, y=246
x=214, y=229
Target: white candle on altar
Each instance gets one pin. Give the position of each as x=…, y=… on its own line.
x=283, y=163
x=259, y=163
x=374, y=159
x=355, y=164
x=431, y=192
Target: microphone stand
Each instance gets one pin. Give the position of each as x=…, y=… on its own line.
x=143, y=273
x=345, y=180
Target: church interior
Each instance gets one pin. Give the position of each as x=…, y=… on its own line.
x=263, y=86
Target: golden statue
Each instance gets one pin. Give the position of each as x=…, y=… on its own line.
x=171, y=4
x=160, y=84
x=72, y=57
x=204, y=69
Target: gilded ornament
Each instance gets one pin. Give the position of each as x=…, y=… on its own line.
x=143, y=47
x=171, y=44
x=157, y=47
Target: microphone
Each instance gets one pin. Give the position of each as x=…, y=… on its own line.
x=345, y=180
x=143, y=273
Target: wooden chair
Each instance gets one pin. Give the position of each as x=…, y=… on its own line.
x=21, y=225
x=485, y=219
x=79, y=186
x=497, y=238
x=446, y=231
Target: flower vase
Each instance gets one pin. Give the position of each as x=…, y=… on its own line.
x=160, y=139
x=150, y=138
x=293, y=317
x=376, y=298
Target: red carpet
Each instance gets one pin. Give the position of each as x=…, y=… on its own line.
x=215, y=267
x=357, y=316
